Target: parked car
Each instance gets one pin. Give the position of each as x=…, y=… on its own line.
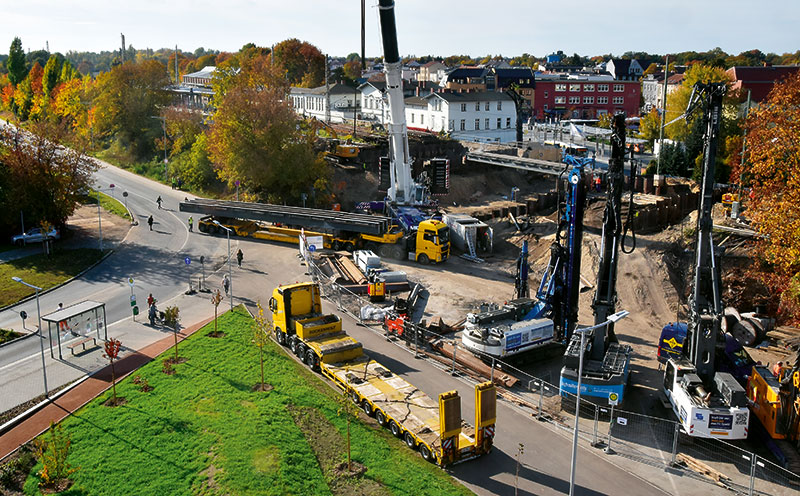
x=35, y=235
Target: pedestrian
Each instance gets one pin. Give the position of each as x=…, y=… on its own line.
x=180, y=182
x=151, y=314
x=598, y=183
x=191, y=220
x=173, y=182
x=226, y=283
x=159, y=200
x=239, y=257
x=150, y=222
x=150, y=300
x=62, y=324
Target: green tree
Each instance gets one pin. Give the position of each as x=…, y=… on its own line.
x=51, y=74
x=16, y=62
x=23, y=99
x=678, y=100
x=649, y=126
x=194, y=166
x=255, y=138
x=127, y=98
x=67, y=72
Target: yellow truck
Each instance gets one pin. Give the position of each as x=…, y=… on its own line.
x=429, y=243
x=434, y=428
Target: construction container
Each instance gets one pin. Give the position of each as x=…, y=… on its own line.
x=469, y=234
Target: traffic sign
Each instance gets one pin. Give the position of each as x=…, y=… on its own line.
x=613, y=398
x=187, y=260
x=125, y=194
x=23, y=315
x=131, y=281
x=135, y=311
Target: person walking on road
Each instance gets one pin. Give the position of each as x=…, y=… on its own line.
x=159, y=200
x=150, y=300
x=191, y=221
x=239, y=257
x=150, y=222
x=226, y=284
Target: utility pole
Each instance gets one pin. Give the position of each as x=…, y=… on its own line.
x=363, y=36
x=122, y=52
x=663, y=116
x=327, y=93
x=177, y=80
x=47, y=43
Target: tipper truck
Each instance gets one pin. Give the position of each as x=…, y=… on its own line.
x=434, y=428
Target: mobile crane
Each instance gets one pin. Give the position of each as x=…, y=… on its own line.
x=707, y=402
x=607, y=362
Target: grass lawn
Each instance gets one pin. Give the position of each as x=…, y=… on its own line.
x=42, y=271
x=109, y=203
x=205, y=431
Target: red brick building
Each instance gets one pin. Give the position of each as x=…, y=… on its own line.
x=584, y=97
x=759, y=80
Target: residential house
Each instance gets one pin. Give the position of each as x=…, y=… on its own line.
x=465, y=79
x=759, y=80
x=521, y=78
x=432, y=71
x=484, y=116
x=624, y=69
x=584, y=97
x=195, y=91
x=313, y=102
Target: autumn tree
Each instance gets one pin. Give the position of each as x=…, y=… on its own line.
x=302, y=63
x=127, y=98
x=678, y=100
x=216, y=299
x=52, y=449
x=44, y=180
x=112, y=347
x=255, y=138
x=772, y=169
x=649, y=126
x=16, y=62
x=51, y=74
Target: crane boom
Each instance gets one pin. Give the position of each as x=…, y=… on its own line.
x=401, y=186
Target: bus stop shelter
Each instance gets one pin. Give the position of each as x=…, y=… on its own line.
x=86, y=320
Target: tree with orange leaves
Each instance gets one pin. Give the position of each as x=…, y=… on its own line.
x=772, y=169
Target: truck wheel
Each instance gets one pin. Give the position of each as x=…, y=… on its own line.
x=301, y=350
x=426, y=453
x=349, y=247
x=354, y=397
x=311, y=360
x=395, y=429
x=202, y=227
x=380, y=417
x=372, y=246
x=293, y=344
x=336, y=245
x=410, y=441
x=423, y=259
x=366, y=407
x=280, y=336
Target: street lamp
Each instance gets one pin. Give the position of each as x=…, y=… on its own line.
x=611, y=319
x=99, y=222
x=41, y=336
x=230, y=270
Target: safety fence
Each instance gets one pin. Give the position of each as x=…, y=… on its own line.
x=637, y=437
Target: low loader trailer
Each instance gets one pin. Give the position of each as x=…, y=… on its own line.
x=434, y=428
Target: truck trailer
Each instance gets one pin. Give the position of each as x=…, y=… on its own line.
x=434, y=428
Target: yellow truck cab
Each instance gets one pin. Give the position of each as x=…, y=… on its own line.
x=299, y=324
x=432, y=242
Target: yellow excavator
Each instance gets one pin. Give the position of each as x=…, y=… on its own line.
x=338, y=151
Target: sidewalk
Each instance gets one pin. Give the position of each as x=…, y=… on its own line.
x=86, y=391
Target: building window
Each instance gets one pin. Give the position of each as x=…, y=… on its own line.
x=545, y=106
x=619, y=100
x=486, y=108
x=560, y=99
x=588, y=87
x=463, y=108
x=561, y=87
x=478, y=106
x=508, y=122
x=619, y=88
x=545, y=94
x=412, y=117
x=602, y=87
x=499, y=122
x=588, y=99
x=451, y=126
x=602, y=112
x=486, y=123
x=602, y=100
x=477, y=124
x=499, y=105
x=463, y=125
x=422, y=118
x=573, y=100
x=574, y=87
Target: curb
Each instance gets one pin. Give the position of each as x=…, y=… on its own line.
x=38, y=406
x=24, y=336
x=79, y=274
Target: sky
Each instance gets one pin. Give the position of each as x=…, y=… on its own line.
x=469, y=27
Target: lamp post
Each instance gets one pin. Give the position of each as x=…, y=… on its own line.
x=41, y=335
x=99, y=222
x=230, y=270
x=611, y=318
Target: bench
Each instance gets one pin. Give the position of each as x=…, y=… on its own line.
x=81, y=343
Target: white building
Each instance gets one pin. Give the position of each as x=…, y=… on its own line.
x=313, y=102
x=485, y=116
x=374, y=105
x=432, y=71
